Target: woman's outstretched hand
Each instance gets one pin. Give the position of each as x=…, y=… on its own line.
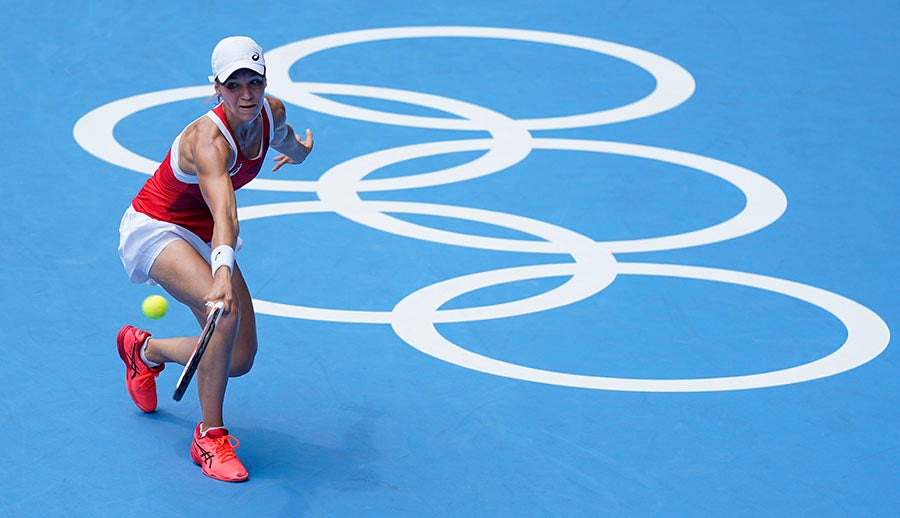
x=306, y=145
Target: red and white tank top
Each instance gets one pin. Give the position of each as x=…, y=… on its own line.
x=174, y=196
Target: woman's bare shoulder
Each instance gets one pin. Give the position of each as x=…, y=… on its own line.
x=277, y=106
x=202, y=137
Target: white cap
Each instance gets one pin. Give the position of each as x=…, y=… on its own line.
x=234, y=53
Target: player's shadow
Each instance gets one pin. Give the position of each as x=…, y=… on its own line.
x=281, y=459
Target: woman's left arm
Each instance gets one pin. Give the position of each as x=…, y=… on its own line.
x=293, y=149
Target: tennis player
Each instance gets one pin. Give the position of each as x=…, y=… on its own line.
x=181, y=232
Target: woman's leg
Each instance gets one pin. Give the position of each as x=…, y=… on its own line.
x=178, y=350
x=185, y=275
x=246, y=345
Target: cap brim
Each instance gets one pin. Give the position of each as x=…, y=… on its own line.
x=226, y=72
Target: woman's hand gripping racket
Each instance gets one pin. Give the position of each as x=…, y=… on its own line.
x=191, y=366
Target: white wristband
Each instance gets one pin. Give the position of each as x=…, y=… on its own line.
x=223, y=255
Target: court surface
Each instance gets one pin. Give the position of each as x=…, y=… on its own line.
x=569, y=258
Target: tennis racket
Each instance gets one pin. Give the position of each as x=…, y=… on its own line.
x=191, y=366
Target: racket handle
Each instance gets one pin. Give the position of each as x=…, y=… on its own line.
x=213, y=306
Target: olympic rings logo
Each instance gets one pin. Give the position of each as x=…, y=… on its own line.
x=593, y=266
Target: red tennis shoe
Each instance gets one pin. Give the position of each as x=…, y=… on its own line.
x=140, y=380
x=214, y=452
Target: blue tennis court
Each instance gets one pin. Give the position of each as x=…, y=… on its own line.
x=564, y=258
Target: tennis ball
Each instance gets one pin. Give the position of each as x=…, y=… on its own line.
x=155, y=306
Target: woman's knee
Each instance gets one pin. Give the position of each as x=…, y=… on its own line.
x=240, y=365
x=242, y=356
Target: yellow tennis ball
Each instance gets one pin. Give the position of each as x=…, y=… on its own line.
x=155, y=306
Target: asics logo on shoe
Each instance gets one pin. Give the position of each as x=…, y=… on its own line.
x=133, y=361
x=206, y=456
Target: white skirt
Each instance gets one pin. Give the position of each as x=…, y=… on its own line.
x=142, y=238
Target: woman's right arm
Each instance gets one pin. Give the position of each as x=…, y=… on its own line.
x=207, y=153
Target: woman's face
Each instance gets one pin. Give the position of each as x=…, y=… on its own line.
x=242, y=93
